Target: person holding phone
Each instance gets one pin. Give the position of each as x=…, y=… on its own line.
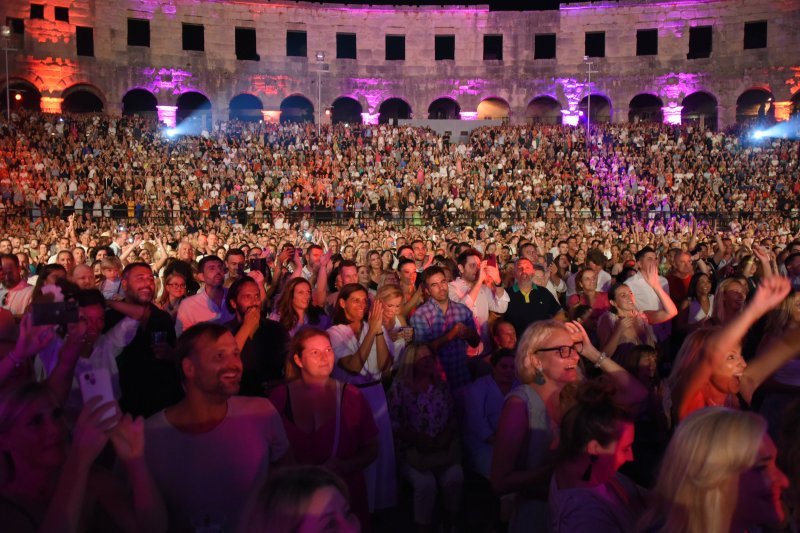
x=479, y=288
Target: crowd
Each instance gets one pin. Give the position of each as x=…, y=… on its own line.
x=613, y=347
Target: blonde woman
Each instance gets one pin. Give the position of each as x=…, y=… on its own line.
x=710, y=370
x=547, y=363
x=398, y=331
x=729, y=301
x=718, y=475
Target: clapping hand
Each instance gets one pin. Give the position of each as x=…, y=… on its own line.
x=650, y=275
x=376, y=316
x=128, y=438
x=90, y=434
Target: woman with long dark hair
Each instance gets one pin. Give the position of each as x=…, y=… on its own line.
x=295, y=311
x=363, y=358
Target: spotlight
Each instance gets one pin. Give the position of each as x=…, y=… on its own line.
x=17, y=97
x=171, y=132
x=759, y=134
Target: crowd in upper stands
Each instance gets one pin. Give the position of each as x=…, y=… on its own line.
x=262, y=329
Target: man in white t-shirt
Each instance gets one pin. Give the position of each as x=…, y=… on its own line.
x=18, y=294
x=208, y=451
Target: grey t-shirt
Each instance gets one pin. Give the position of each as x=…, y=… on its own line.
x=205, y=478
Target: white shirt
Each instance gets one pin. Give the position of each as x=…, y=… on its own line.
x=647, y=300
x=205, y=477
x=486, y=301
x=200, y=308
x=18, y=298
x=104, y=355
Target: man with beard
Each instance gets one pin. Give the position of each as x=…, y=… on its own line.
x=206, y=452
x=148, y=377
x=208, y=305
x=528, y=302
x=262, y=341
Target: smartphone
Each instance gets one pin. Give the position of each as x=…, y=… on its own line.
x=56, y=313
x=95, y=383
x=548, y=258
x=491, y=260
x=258, y=264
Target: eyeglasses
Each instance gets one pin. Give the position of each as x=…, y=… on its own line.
x=565, y=351
x=177, y=285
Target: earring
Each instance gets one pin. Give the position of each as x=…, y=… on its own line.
x=538, y=376
x=587, y=474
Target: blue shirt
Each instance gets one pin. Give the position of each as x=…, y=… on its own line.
x=430, y=323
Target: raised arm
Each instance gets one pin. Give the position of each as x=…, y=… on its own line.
x=650, y=275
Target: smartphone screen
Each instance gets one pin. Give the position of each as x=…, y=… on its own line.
x=491, y=260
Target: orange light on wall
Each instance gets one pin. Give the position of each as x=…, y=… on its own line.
x=50, y=104
x=271, y=117
x=783, y=110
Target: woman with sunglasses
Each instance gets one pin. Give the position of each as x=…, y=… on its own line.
x=547, y=366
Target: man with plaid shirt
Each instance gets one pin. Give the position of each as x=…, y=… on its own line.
x=446, y=326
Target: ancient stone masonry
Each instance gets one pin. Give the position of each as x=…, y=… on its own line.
x=745, y=59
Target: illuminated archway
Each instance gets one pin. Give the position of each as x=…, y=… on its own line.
x=245, y=107
x=346, y=110
x=297, y=108
x=755, y=104
x=194, y=113
x=23, y=95
x=493, y=108
x=700, y=109
x=646, y=108
x=393, y=109
x=444, y=108
x=82, y=99
x=140, y=102
x=543, y=110
x=600, y=108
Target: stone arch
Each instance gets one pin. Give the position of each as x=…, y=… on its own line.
x=393, y=109
x=246, y=107
x=194, y=113
x=646, y=107
x=700, y=108
x=543, y=109
x=755, y=104
x=29, y=95
x=138, y=101
x=297, y=108
x=493, y=107
x=82, y=98
x=346, y=110
x=601, y=109
x=444, y=108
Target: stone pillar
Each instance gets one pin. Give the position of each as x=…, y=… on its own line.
x=672, y=114
x=468, y=115
x=270, y=116
x=50, y=104
x=114, y=108
x=726, y=116
x=570, y=117
x=168, y=114
x=370, y=118
x=783, y=110
x=620, y=114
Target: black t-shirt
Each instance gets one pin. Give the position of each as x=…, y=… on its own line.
x=541, y=305
x=148, y=384
x=263, y=357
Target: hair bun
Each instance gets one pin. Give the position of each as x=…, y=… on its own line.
x=596, y=393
